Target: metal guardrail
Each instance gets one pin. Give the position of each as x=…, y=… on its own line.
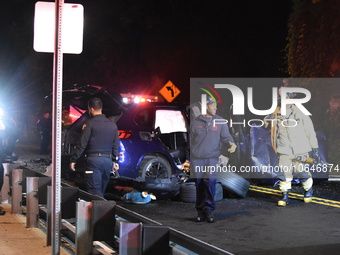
x=179, y=242
x=177, y=238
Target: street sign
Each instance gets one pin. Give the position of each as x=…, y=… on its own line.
x=72, y=28
x=169, y=91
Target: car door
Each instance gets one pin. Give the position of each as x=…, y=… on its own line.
x=173, y=127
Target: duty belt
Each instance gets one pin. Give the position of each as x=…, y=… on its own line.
x=99, y=154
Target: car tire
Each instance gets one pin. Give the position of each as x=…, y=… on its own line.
x=155, y=167
x=233, y=183
x=188, y=192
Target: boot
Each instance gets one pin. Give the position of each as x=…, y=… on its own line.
x=308, y=195
x=285, y=199
x=209, y=216
x=200, y=216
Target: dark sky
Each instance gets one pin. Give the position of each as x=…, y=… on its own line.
x=137, y=46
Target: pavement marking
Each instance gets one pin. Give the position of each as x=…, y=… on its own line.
x=316, y=200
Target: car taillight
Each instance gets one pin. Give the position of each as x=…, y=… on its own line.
x=124, y=134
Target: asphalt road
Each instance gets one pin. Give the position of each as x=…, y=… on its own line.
x=255, y=225
x=252, y=225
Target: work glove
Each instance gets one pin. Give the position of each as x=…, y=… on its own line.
x=223, y=160
x=232, y=147
x=186, y=166
x=315, y=155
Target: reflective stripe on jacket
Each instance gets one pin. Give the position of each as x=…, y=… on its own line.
x=207, y=139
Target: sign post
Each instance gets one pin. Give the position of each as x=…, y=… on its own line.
x=56, y=129
x=52, y=15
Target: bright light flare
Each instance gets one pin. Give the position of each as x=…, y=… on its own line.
x=136, y=100
x=75, y=114
x=129, y=98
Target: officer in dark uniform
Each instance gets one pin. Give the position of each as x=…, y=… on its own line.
x=100, y=142
x=44, y=126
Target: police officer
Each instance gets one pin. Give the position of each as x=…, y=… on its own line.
x=206, y=142
x=99, y=140
x=44, y=126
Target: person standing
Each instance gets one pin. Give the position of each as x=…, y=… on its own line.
x=44, y=126
x=100, y=142
x=293, y=137
x=66, y=118
x=206, y=141
x=12, y=135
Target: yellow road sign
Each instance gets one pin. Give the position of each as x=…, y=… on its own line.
x=169, y=91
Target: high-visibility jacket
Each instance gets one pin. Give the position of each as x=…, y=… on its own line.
x=295, y=132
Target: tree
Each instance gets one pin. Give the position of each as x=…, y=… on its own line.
x=313, y=51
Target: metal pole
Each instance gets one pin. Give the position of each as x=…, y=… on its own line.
x=56, y=128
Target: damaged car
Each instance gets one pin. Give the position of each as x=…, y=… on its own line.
x=154, y=141
x=153, y=136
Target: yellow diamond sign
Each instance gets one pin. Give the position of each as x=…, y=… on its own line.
x=169, y=91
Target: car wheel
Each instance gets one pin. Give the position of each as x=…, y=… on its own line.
x=155, y=167
x=188, y=192
x=219, y=192
x=233, y=183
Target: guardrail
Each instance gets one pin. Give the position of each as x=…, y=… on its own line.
x=93, y=225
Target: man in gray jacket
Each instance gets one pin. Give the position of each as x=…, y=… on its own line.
x=207, y=139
